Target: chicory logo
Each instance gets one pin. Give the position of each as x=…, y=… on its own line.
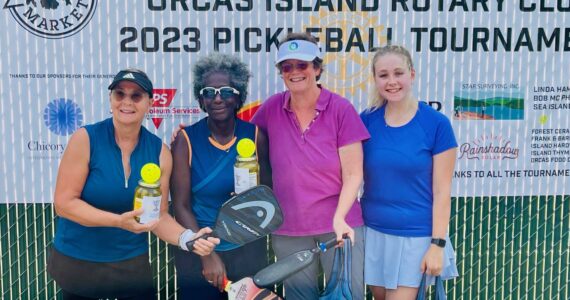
x=489, y=147
x=63, y=116
x=52, y=19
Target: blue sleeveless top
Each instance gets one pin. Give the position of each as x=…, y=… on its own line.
x=206, y=202
x=107, y=189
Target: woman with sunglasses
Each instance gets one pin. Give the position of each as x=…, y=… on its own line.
x=203, y=176
x=315, y=140
x=99, y=250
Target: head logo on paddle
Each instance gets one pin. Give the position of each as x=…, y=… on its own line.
x=248, y=216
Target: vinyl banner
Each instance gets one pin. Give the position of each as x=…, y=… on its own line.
x=498, y=69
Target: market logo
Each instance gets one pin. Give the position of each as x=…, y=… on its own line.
x=351, y=39
x=488, y=101
x=489, y=147
x=52, y=19
x=62, y=116
x=161, y=109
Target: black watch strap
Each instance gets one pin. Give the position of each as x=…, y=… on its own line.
x=438, y=242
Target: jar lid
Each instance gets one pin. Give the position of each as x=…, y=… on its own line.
x=149, y=185
x=251, y=158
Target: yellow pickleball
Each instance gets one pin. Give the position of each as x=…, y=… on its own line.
x=245, y=147
x=150, y=173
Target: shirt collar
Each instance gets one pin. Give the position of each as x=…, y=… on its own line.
x=322, y=103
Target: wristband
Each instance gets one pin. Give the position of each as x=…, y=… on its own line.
x=184, y=238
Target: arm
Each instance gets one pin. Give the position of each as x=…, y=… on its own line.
x=213, y=268
x=443, y=165
x=168, y=229
x=263, y=159
x=351, y=159
x=71, y=177
x=181, y=183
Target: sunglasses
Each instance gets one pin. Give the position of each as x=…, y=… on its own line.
x=289, y=67
x=226, y=92
x=136, y=97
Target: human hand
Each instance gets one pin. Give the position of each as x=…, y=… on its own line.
x=432, y=263
x=342, y=229
x=127, y=222
x=200, y=246
x=214, y=270
x=176, y=131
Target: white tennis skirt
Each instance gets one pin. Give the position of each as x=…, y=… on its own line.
x=392, y=261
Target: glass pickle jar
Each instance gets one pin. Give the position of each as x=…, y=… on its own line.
x=147, y=196
x=246, y=173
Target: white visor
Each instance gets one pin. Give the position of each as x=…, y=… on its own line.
x=298, y=49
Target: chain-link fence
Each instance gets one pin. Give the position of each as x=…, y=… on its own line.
x=507, y=248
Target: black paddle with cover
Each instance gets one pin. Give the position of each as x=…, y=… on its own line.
x=247, y=216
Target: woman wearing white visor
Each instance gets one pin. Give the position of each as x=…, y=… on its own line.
x=315, y=144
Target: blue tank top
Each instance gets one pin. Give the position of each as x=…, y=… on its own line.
x=107, y=189
x=207, y=201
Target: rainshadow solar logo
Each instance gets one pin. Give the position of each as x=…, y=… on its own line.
x=63, y=116
x=52, y=19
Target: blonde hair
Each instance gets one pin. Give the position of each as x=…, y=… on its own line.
x=376, y=101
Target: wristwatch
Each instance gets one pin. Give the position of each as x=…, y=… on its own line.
x=438, y=242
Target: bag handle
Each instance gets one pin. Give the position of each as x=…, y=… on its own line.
x=422, y=288
x=347, y=262
x=336, y=272
x=439, y=289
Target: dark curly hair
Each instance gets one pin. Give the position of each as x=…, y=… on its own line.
x=217, y=62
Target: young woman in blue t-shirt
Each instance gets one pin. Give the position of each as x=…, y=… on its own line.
x=408, y=166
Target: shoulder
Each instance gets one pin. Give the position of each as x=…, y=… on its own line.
x=196, y=127
x=336, y=100
x=97, y=127
x=432, y=114
x=270, y=107
x=153, y=138
x=336, y=104
x=275, y=101
x=369, y=114
x=79, y=144
x=244, y=124
x=80, y=136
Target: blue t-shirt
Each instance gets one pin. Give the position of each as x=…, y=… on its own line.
x=106, y=189
x=398, y=162
x=207, y=201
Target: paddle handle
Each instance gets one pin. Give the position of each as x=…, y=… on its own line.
x=327, y=245
x=190, y=244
